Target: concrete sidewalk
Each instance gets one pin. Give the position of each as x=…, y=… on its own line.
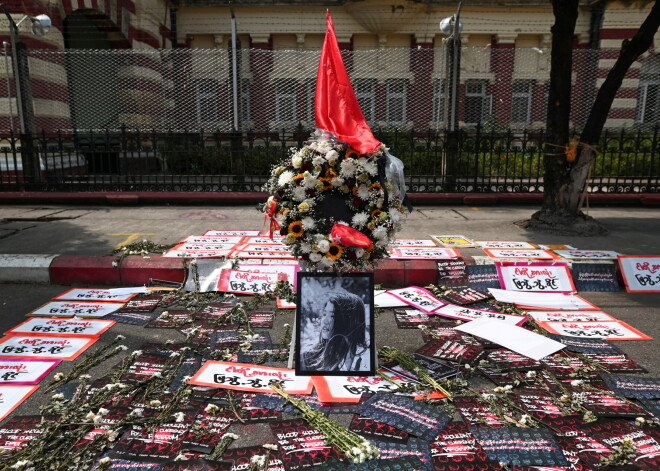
x=73, y=244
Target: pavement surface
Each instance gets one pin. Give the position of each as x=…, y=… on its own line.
x=96, y=230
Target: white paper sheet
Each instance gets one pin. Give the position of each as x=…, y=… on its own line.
x=547, y=301
x=514, y=338
x=383, y=299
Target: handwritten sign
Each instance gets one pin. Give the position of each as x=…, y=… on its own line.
x=463, y=313
x=351, y=388
x=263, y=254
x=423, y=253
x=609, y=330
x=289, y=269
x=193, y=239
x=521, y=253
x=56, y=327
x=641, y=274
x=452, y=241
x=413, y=243
x=44, y=347
x=587, y=254
x=248, y=282
x=231, y=233
x=254, y=378
x=535, y=277
x=542, y=301
x=197, y=253
x=12, y=396
x=276, y=240
x=189, y=247
x=501, y=244
x=25, y=371
x=418, y=298
x=84, y=294
x=570, y=316
x=70, y=309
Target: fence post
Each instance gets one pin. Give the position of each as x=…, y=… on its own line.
x=452, y=147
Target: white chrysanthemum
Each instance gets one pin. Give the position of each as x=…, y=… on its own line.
x=363, y=192
x=337, y=182
x=359, y=252
x=310, y=181
x=299, y=193
x=395, y=216
x=296, y=161
x=324, y=245
x=370, y=167
x=380, y=233
x=332, y=154
x=315, y=257
x=347, y=168
x=305, y=247
x=360, y=219
x=318, y=160
x=324, y=147
x=327, y=262
x=308, y=223
x=318, y=238
x=285, y=178
x=179, y=417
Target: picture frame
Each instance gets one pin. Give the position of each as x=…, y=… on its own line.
x=332, y=337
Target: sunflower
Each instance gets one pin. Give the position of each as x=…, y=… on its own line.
x=335, y=251
x=296, y=228
x=374, y=214
x=375, y=187
x=298, y=177
x=330, y=174
x=352, y=153
x=326, y=182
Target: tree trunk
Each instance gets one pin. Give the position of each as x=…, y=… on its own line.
x=556, y=172
x=631, y=49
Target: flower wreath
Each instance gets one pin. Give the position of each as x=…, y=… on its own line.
x=333, y=206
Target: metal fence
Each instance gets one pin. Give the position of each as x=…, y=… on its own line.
x=486, y=160
x=398, y=88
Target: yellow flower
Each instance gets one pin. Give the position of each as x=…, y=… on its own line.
x=363, y=177
x=383, y=215
x=332, y=162
x=335, y=251
x=303, y=207
x=352, y=153
x=319, y=186
x=296, y=229
x=318, y=169
x=290, y=239
x=345, y=189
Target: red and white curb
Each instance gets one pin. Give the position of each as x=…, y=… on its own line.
x=25, y=268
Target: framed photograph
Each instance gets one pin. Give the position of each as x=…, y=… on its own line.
x=335, y=325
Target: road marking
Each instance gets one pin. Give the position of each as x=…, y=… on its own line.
x=131, y=237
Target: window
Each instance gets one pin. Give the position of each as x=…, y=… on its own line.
x=365, y=91
x=206, y=101
x=310, y=93
x=245, y=112
x=439, y=101
x=285, y=101
x=477, y=103
x=396, y=101
x=649, y=103
x=521, y=102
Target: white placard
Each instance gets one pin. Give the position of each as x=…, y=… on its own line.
x=570, y=316
x=72, y=308
x=535, y=277
x=58, y=327
x=254, y=378
x=501, y=244
x=463, y=313
x=423, y=253
x=248, y=282
x=413, y=243
x=12, y=396
x=264, y=248
x=84, y=294
x=276, y=240
x=44, y=347
x=383, y=299
x=545, y=301
x=609, y=330
x=232, y=233
x=190, y=247
x=587, y=254
x=536, y=254
x=641, y=274
x=418, y=298
x=350, y=388
x=197, y=253
x=514, y=338
x=25, y=371
x=289, y=269
x=194, y=239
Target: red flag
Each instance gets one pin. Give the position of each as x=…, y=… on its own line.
x=336, y=106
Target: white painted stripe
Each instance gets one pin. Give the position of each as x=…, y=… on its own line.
x=25, y=268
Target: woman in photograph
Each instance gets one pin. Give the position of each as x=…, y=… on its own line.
x=342, y=344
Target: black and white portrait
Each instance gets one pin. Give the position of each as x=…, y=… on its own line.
x=335, y=324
